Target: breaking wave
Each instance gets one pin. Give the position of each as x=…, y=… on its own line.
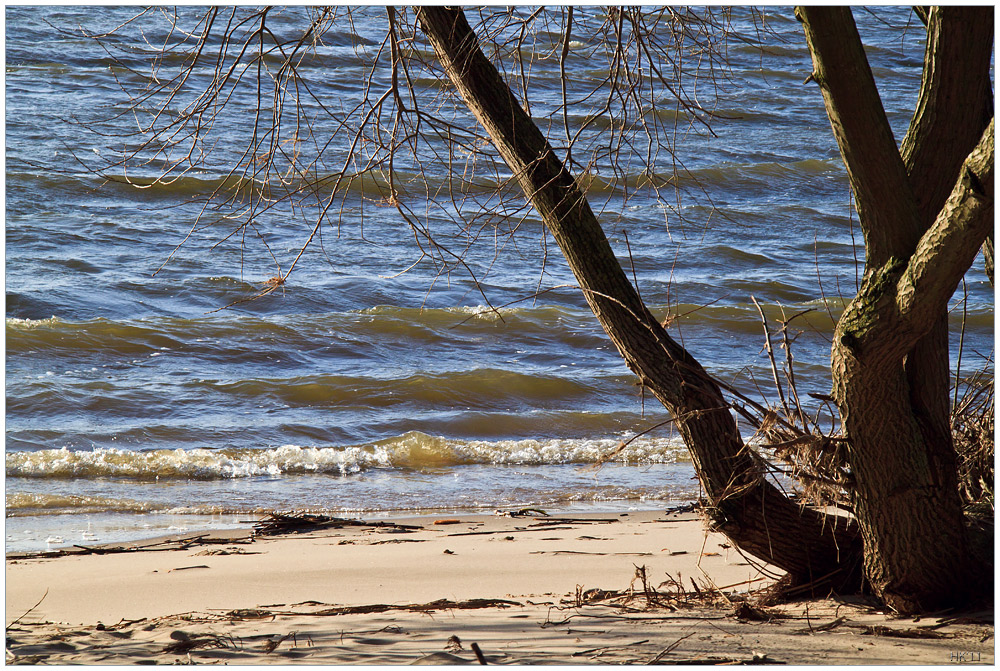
x=413, y=450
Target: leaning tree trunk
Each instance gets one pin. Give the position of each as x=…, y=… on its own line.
x=750, y=511
x=922, y=231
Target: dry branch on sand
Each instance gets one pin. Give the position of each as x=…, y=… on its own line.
x=282, y=523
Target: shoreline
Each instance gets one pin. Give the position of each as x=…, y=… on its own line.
x=573, y=588
x=115, y=528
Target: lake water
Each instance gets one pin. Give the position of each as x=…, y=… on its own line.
x=135, y=406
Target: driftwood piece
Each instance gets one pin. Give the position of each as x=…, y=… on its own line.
x=278, y=523
x=184, y=642
x=163, y=545
x=882, y=630
x=510, y=531
x=692, y=507
x=597, y=652
x=720, y=661
x=440, y=604
x=479, y=653
x=829, y=626
x=549, y=521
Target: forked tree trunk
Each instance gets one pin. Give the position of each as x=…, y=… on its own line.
x=889, y=339
x=750, y=511
x=954, y=107
x=918, y=554
x=890, y=356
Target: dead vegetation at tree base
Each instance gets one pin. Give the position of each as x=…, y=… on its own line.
x=671, y=595
x=972, y=425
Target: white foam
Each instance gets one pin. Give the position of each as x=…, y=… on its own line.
x=413, y=450
x=32, y=323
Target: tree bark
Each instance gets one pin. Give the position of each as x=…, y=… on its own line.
x=887, y=210
x=951, y=243
x=954, y=106
x=988, y=258
x=749, y=510
x=955, y=103
x=892, y=338
x=917, y=550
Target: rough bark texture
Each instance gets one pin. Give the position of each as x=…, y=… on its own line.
x=951, y=243
x=954, y=106
x=890, y=358
x=918, y=554
x=988, y=258
x=755, y=515
x=887, y=209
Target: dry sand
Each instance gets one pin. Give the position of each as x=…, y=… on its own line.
x=524, y=590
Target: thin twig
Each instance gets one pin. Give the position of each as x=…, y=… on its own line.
x=25, y=614
x=770, y=355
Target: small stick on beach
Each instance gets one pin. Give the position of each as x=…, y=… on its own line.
x=479, y=653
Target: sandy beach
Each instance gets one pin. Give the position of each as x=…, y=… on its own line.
x=640, y=587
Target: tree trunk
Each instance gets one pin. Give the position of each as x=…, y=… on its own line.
x=954, y=106
x=890, y=357
x=988, y=258
x=749, y=510
x=917, y=550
